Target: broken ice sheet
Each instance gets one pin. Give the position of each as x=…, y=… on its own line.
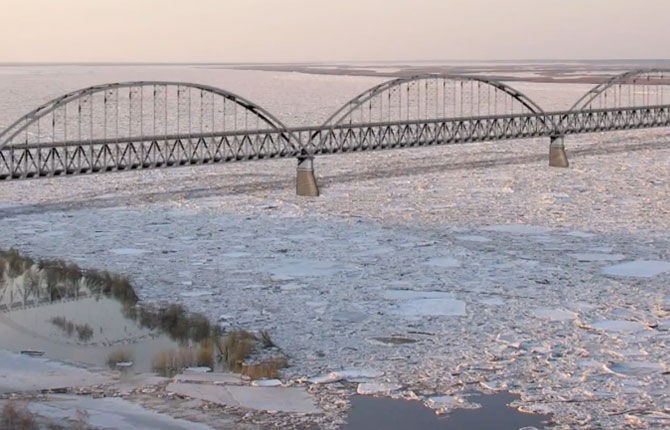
x=439, y=402
x=425, y=303
x=128, y=251
x=303, y=268
x=619, y=326
x=430, y=307
x=351, y=375
x=638, y=268
x=586, y=257
x=554, y=314
x=473, y=238
x=443, y=262
x=636, y=368
x=518, y=229
x=579, y=234
x=369, y=388
x=196, y=293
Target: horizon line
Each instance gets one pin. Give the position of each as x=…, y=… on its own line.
x=325, y=62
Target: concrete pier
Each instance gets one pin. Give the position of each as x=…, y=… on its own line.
x=557, y=156
x=306, y=182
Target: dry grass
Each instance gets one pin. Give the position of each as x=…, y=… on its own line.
x=236, y=347
x=119, y=287
x=268, y=369
x=266, y=340
x=84, y=331
x=119, y=356
x=16, y=416
x=205, y=353
x=16, y=264
x=170, y=362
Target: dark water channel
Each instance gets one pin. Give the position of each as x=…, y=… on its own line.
x=389, y=414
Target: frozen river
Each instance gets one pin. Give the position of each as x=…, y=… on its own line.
x=444, y=269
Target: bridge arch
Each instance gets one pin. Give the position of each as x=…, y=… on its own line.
x=636, y=88
x=140, y=109
x=431, y=97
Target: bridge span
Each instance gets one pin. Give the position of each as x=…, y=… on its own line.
x=143, y=125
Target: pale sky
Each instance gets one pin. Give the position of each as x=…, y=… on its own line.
x=330, y=30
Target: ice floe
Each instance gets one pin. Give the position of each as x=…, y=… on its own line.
x=369, y=388
x=619, y=326
x=554, y=314
x=592, y=256
x=638, y=268
x=443, y=262
x=430, y=307
x=517, y=229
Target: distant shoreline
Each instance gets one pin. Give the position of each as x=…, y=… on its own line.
x=538, y=71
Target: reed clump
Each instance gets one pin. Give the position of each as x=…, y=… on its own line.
x=122, y=355
x=17, y=416
x=171, y=361
x=255, y=356
x=84, y=331
x=266, y=369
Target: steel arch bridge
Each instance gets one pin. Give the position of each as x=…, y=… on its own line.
x=140, y=125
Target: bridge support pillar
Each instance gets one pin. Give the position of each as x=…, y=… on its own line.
x=557, y=157
x=306, y=182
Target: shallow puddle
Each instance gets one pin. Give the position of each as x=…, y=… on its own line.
x=385, y=413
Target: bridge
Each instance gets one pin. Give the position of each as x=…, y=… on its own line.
x=144, y=125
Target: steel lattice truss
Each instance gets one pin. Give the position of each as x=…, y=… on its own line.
x=141, y=125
